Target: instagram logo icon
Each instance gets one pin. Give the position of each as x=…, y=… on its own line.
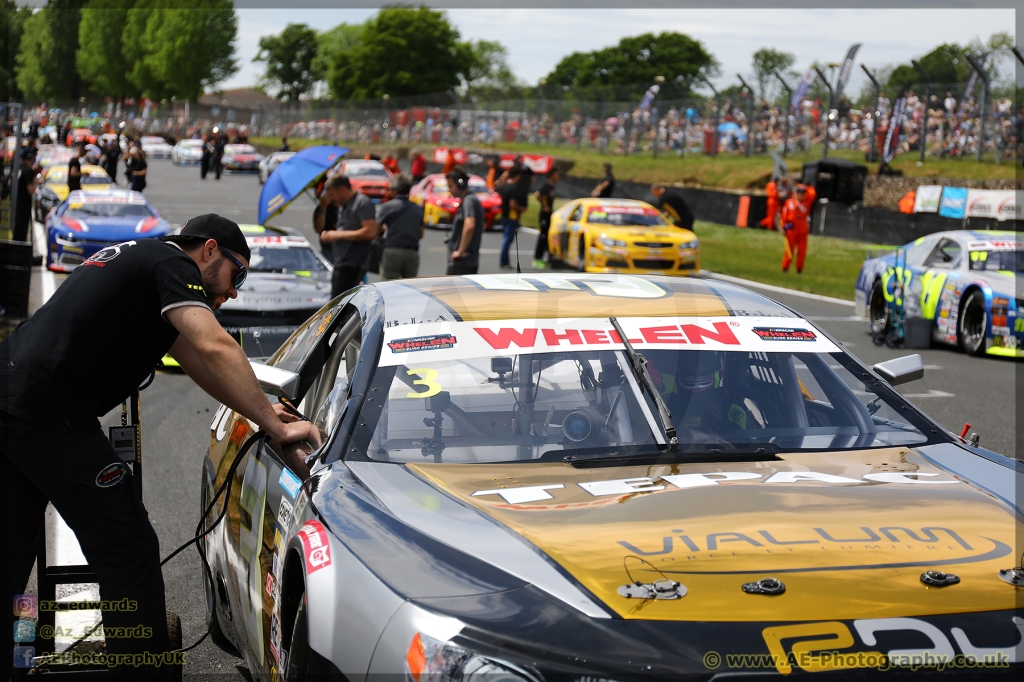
x=25, y=605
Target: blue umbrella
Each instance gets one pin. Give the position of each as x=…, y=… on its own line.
x=732, y=129
x=294, y=176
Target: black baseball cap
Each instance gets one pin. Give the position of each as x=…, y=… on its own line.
x=225, y=232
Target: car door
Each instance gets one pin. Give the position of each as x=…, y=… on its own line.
x=939, y=282
x=263, y=493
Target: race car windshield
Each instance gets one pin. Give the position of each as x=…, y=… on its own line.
x=240, y=149
x=995, y=261
x=192, y=143
x=367, y=171
x=95, y=179
x=294, y=260
x=547, y=406
x=108, y=211
x=624, y=217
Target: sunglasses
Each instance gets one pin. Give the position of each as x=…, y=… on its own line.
x=242, y=270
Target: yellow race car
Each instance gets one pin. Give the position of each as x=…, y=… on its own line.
x=621, y=235
x=55, y=189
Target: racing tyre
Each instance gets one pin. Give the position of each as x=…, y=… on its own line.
x=302, y=662
x=878, y=308
x=582, y=265
x=970, y=328
x=174, y=636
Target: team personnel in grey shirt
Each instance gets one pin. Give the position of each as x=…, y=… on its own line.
x=402, y=221
x=467, y=227
x=356, y=229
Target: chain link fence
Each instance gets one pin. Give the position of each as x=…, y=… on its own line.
x=946, y=126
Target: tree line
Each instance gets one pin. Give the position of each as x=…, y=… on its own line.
x=118, y=48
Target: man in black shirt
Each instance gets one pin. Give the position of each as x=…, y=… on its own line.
x=546, y=196
x=80, y=356
x=467, y=227
x=75, y=169
x=673, y=205
x=607, y=185
x=26, y=188
x=402, y=221
x=351, y=238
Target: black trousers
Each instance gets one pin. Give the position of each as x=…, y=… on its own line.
x=542, y=239
x=204, y=167
x=112, y=526
x=458, y=268
x=21, y=224
x=217, y=167
x=344, y=278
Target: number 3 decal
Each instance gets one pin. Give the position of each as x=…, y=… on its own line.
x=433, y=388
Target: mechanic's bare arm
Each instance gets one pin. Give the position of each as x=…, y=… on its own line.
x=320, y=215
x=368, y=232
x=219, y=366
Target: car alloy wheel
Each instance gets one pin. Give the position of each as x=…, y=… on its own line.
x=878, y=308
x=972, y=323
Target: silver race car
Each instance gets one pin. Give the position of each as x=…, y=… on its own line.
x=288, y=281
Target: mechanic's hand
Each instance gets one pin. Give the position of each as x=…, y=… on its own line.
x=284, y=414
x=298, y=431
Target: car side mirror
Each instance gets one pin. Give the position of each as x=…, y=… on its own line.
x=275, y=381
x=901, y=370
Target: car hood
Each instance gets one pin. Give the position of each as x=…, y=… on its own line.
x=647, y=234
x=844, y=546
x=281, y=291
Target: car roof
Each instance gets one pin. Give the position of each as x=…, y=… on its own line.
x=87, y=169
x=262, y=234
x=978, y=236
x=116, y=196
x=598, y=201
x=543, y=296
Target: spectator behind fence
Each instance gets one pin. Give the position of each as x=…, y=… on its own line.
x=402, y=222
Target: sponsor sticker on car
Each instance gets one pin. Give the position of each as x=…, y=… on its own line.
x=432, y=342
x=784, y=334
x=315, y=547
x=491, y=338
x=290, y=482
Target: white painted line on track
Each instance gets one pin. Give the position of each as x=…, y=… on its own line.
x=773, y=288
x=47, y=279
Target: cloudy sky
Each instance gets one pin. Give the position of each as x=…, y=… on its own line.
x=537, y=39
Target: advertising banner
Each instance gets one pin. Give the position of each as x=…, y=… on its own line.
x=926, y=199
x=954, y=202
x=801, y=89
x=844, y=73
x=540, y=164
x=1001, y=204
x=441, y=155
x=892, y=138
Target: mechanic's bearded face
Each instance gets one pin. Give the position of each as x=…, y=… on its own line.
x=218, y=280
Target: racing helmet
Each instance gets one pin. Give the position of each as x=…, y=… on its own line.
x=698, y=370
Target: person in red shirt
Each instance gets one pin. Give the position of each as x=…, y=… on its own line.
x=419, y=166
x=795, y=216
x=391, y=163
x=771, y=219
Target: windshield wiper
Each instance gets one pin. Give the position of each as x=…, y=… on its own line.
x=639, y=365
x=607, y=457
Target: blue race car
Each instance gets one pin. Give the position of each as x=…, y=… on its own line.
x=87, y=222
x=964, y=281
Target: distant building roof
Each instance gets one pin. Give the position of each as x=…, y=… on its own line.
x=238, y=98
